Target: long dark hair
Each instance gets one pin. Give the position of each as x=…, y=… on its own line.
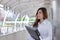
x=44, y=10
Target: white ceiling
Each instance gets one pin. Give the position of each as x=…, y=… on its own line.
x=23, y=5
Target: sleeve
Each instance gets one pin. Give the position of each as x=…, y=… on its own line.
x=49, y=32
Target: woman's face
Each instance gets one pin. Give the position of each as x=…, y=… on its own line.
x=40, y=14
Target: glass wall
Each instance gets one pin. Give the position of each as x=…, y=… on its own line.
x=11, y=21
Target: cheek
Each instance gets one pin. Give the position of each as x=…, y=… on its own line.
x=41, y=15
x=38, y=16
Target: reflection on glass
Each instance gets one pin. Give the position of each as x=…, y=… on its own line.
x=3, y=30
x=12, y=21
x=31, y=21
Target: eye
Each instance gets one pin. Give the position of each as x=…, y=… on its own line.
x=40, y=12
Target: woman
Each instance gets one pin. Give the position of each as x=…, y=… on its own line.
x=43, y=25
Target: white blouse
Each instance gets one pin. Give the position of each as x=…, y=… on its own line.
x=45, y=29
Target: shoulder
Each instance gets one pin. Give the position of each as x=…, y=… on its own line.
x=47, y=22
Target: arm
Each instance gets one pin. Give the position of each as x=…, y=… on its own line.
x=49, y=33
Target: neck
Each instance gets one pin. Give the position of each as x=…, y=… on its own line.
x=41, y=20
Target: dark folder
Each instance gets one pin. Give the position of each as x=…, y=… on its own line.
x=33, y=32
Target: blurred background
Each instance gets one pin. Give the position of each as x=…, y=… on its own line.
x=15, y=14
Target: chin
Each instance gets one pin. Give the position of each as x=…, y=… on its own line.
x=38, y=18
